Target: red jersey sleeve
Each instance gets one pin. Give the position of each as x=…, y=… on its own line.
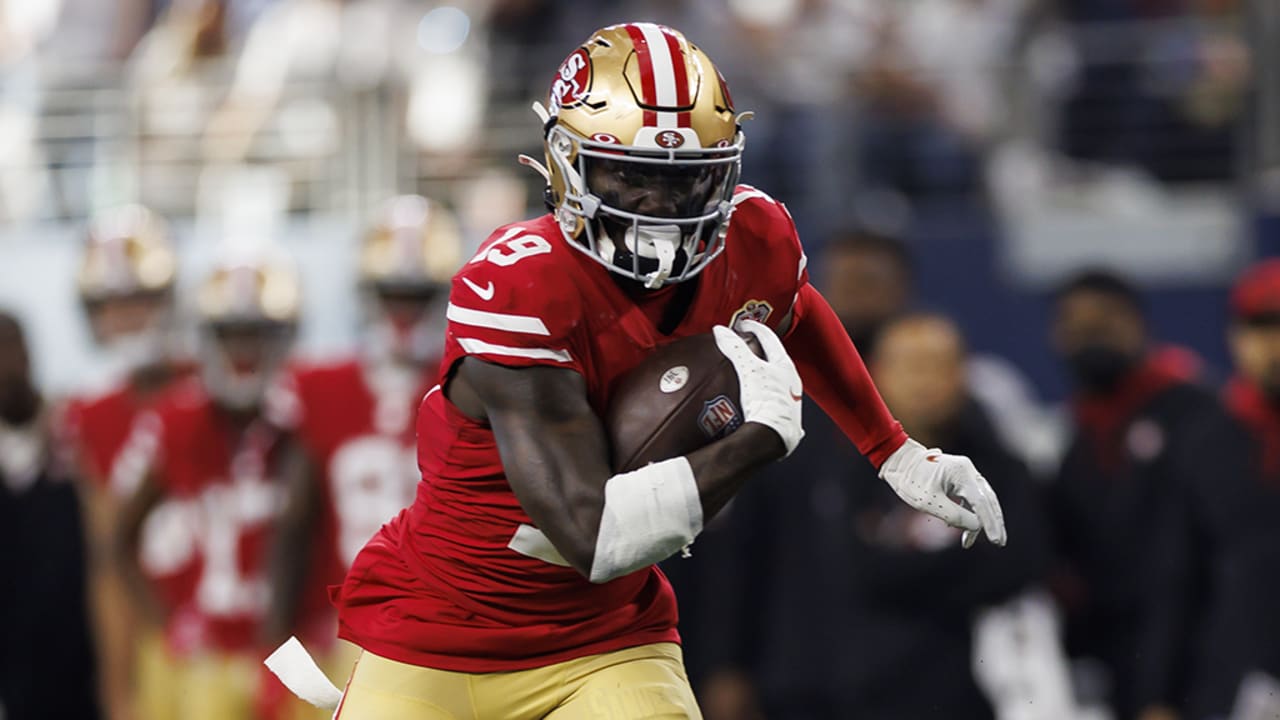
x=515, y=304
x=835, y=376
x=763, y=229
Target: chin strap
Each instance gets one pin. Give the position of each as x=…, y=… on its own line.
x=537, y=167
x=665, y=249
x=541, y=111
x=544, y=117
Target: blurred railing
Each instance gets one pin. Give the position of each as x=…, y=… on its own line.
x=97, y=137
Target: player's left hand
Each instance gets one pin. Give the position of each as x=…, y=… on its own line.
x=948, y=487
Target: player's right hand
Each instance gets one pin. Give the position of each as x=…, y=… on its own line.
x=770, y=388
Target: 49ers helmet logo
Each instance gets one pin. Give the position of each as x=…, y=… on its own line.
x=573, y=81
x=670, y=139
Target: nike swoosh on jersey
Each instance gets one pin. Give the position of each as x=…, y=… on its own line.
x=485, y=293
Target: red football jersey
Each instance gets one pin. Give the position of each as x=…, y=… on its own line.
x=442, y=586
x=357, y=424
x=222, y=482
x=97, y=428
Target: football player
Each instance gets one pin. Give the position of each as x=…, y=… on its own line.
x=354, y=418
x=208, y=449
x=520, y=583
x=125, y=283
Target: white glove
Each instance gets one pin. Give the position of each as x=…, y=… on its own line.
x=770, y=389
x=928, y=480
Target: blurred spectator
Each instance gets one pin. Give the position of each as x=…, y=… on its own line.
x=931, y=84
x=1133, y=409
x=859, y=607
x=126, y=285
x=208, y=447
x=1220, y=546
x=46, y=658
x=869, y=278
x=299, y=51
x=1161, y=84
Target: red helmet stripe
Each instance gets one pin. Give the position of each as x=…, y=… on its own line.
x=645, y=60
x=680, y=69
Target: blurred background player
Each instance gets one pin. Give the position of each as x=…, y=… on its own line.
x=46, y=655
x=842, y=565
x=355, y=419
x=1133, y=407
x=126, y=286
x=208, y=447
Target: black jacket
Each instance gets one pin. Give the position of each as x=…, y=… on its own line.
x=1216, y=599
x=818, y=584
x=1114, y=486
x=46, y=658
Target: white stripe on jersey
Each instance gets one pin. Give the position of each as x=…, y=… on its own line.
x=526, y=324
x=664, y=72
x=747, y=192
x=804, y=261
x=480, y=347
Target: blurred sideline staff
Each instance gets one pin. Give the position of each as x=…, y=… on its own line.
x=870, y=279
x=856, y=606
x=208, y=447
x=1133, y=408
x=1218, y=596
x=46, y=657
x=126, y=286
x=354, y=419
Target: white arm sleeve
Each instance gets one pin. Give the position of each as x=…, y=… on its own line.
x=649, y=514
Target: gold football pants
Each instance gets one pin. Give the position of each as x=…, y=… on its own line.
x=640, y=682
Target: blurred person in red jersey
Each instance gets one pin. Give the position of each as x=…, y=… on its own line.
x=1217, y=594
x=1133, y=408
x=126, y=287
x=46, y=655
x=355, y=420
x=208, y=449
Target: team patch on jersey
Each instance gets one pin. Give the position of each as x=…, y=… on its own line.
x=758, y=310
x=719, y=417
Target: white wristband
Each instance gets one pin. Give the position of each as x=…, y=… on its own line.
x=649, y=514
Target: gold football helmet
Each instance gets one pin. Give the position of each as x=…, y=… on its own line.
x=248, y=310
x=406, y=262
x=128, y=251
x=414, y=246
x=643, y=150
x=125, y=282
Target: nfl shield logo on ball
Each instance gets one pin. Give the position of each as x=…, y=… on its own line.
x=719, y=417
x=673, y=379
x=758, y=310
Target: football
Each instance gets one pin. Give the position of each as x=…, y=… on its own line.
x=680, y=398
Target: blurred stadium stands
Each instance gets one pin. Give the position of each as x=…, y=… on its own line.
x=1010, y=141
